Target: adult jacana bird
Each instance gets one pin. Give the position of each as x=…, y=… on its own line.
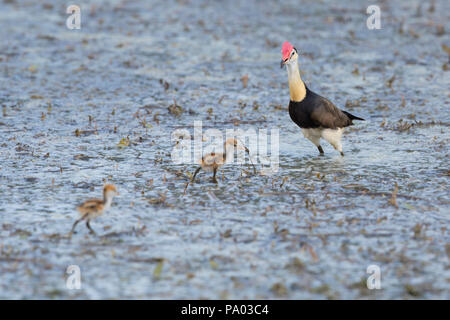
x=93, y=208
x=316, y=115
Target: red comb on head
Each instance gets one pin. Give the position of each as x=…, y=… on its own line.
x=286, y=50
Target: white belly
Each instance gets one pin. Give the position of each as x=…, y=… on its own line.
x=332, y=136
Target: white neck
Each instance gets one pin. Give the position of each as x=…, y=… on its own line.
x=297, y=88
x=108, y=202
x=229, y=152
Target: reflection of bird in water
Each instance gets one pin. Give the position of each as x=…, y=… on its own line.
x=211, y=162
x=93, y=208
x=317, y=116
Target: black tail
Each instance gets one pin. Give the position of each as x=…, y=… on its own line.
x=352, y=117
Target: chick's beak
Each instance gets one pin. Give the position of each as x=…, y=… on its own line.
x=243, y=148
x=282, y=63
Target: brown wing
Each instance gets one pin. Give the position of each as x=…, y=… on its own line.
x=213, y=158
x=327, y=115
x=90, y=206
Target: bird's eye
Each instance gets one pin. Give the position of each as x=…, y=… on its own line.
x=292, y=53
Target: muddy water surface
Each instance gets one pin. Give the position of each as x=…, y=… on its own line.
x=81, y=107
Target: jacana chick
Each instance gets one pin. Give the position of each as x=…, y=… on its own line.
x=316, y=115
x=93, y=208
x=211, y=162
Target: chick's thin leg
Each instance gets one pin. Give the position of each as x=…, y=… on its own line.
x=76, y=222
x=195, y=173
x=89, y=226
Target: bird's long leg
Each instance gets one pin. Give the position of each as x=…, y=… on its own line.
x=320, y=150
x=192, y=180
x=195, y=173
x=314, y=137
x=248, y=152
x=74, y=225
x=89, y=226
x=214, y=175
x=185, y=188
x=76, y=222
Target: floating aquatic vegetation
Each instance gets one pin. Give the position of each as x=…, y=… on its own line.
x=175, y=109
x=393, y=199
x=244, y=80
x=124, y=142
x=279, y=289
x=158, y=270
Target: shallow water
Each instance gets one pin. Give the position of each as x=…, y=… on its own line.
x=310, y=230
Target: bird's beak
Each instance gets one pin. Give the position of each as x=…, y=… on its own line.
x=281, y=64
x=244, y=148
